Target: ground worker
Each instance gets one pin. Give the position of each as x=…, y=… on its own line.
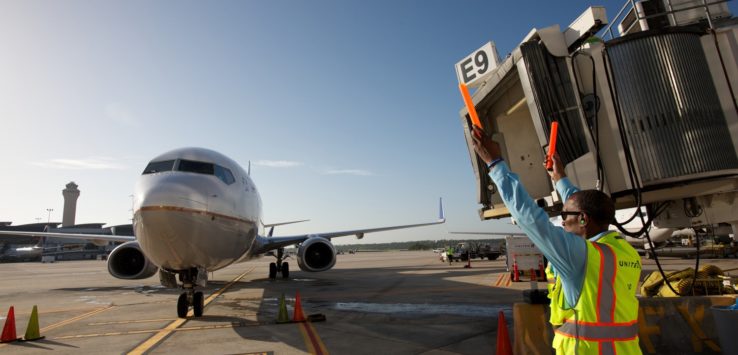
x=559, y=311
x=450, y=254
x=598, y=275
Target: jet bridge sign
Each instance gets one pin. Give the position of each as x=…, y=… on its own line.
x=476, y=66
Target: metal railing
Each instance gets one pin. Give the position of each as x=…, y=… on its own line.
x=670, y=11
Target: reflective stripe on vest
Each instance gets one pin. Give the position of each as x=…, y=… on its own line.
x=599, y=332
x=604, y=329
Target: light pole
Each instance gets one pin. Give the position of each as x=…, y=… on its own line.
x=48, y=221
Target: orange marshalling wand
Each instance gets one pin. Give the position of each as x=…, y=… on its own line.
x=470, y=105
x=552, y=145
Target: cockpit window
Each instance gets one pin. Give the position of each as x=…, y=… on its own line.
x=199, y=167
x=224, y=174
x=158, y=166
x=196, y=167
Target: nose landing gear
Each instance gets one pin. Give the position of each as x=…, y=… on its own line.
x=279, y=266
x=190, y=297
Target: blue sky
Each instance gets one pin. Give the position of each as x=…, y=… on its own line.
x=348, y=110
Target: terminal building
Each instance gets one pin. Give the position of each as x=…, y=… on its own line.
x=25, y=248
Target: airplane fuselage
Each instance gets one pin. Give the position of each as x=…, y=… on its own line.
x=196, y=208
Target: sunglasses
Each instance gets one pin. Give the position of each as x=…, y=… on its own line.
x=566, y=214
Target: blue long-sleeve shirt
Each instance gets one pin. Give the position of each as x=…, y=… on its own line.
x=567, y=252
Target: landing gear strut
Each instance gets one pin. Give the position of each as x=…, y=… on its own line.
x=189, y=297
x=279, y=266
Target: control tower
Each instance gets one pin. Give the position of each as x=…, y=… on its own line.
x=71, y=193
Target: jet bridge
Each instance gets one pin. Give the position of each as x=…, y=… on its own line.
x=648, y=115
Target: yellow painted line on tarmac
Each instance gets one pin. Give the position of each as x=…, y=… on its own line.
x=163, y=333
x=95, y=335
x=503, y=280
x=72, y=320
x=181, y=329
x=57, y=310
x=312, y=340
x=134, y=321
x=499, y=279
x=221, y=326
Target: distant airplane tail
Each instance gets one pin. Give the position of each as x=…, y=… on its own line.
x=441, y=214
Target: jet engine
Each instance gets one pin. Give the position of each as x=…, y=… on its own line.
x=127, y=261
x=316, y=254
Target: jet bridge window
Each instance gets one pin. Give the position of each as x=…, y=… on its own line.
x=158, y=166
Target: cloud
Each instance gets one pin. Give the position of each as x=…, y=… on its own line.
x=356, y=172
x=277, y=163
x=95, y=163
x=117, y=113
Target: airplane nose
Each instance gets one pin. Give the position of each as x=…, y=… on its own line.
x=169, y=212
x=172, y=193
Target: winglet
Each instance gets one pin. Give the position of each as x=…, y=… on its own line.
x=441, y=214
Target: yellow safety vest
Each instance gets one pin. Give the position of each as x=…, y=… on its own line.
x=605, y=317
x=559, y=310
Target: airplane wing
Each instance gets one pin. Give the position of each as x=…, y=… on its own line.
x=271, y=243
x=105, y=237
x=267, y=225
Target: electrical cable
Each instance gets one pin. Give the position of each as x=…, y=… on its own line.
x=594, y=124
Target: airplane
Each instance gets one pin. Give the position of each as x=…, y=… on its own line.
x=197, y=211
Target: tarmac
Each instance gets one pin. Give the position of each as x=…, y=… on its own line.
x=383, y=302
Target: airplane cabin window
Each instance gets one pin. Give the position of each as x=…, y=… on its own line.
x=224, y=174
x=158, y=166
x=197, y=167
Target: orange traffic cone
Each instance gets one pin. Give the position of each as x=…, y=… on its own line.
x=9, y=328
x=503, y=339
x=298, y=316
x=516, y=275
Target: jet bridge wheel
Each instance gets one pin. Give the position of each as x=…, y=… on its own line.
x=285, y=270
x=182, y=305
x=272, y=271
x=198, y=304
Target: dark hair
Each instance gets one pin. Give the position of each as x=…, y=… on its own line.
x=596, y=204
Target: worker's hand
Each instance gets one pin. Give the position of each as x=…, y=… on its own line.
x=486, y=148
x=558, y=171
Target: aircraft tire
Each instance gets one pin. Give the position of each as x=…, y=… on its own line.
x=272, y=271
x=198, y=304
x=182, y=306
x=285, y=270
